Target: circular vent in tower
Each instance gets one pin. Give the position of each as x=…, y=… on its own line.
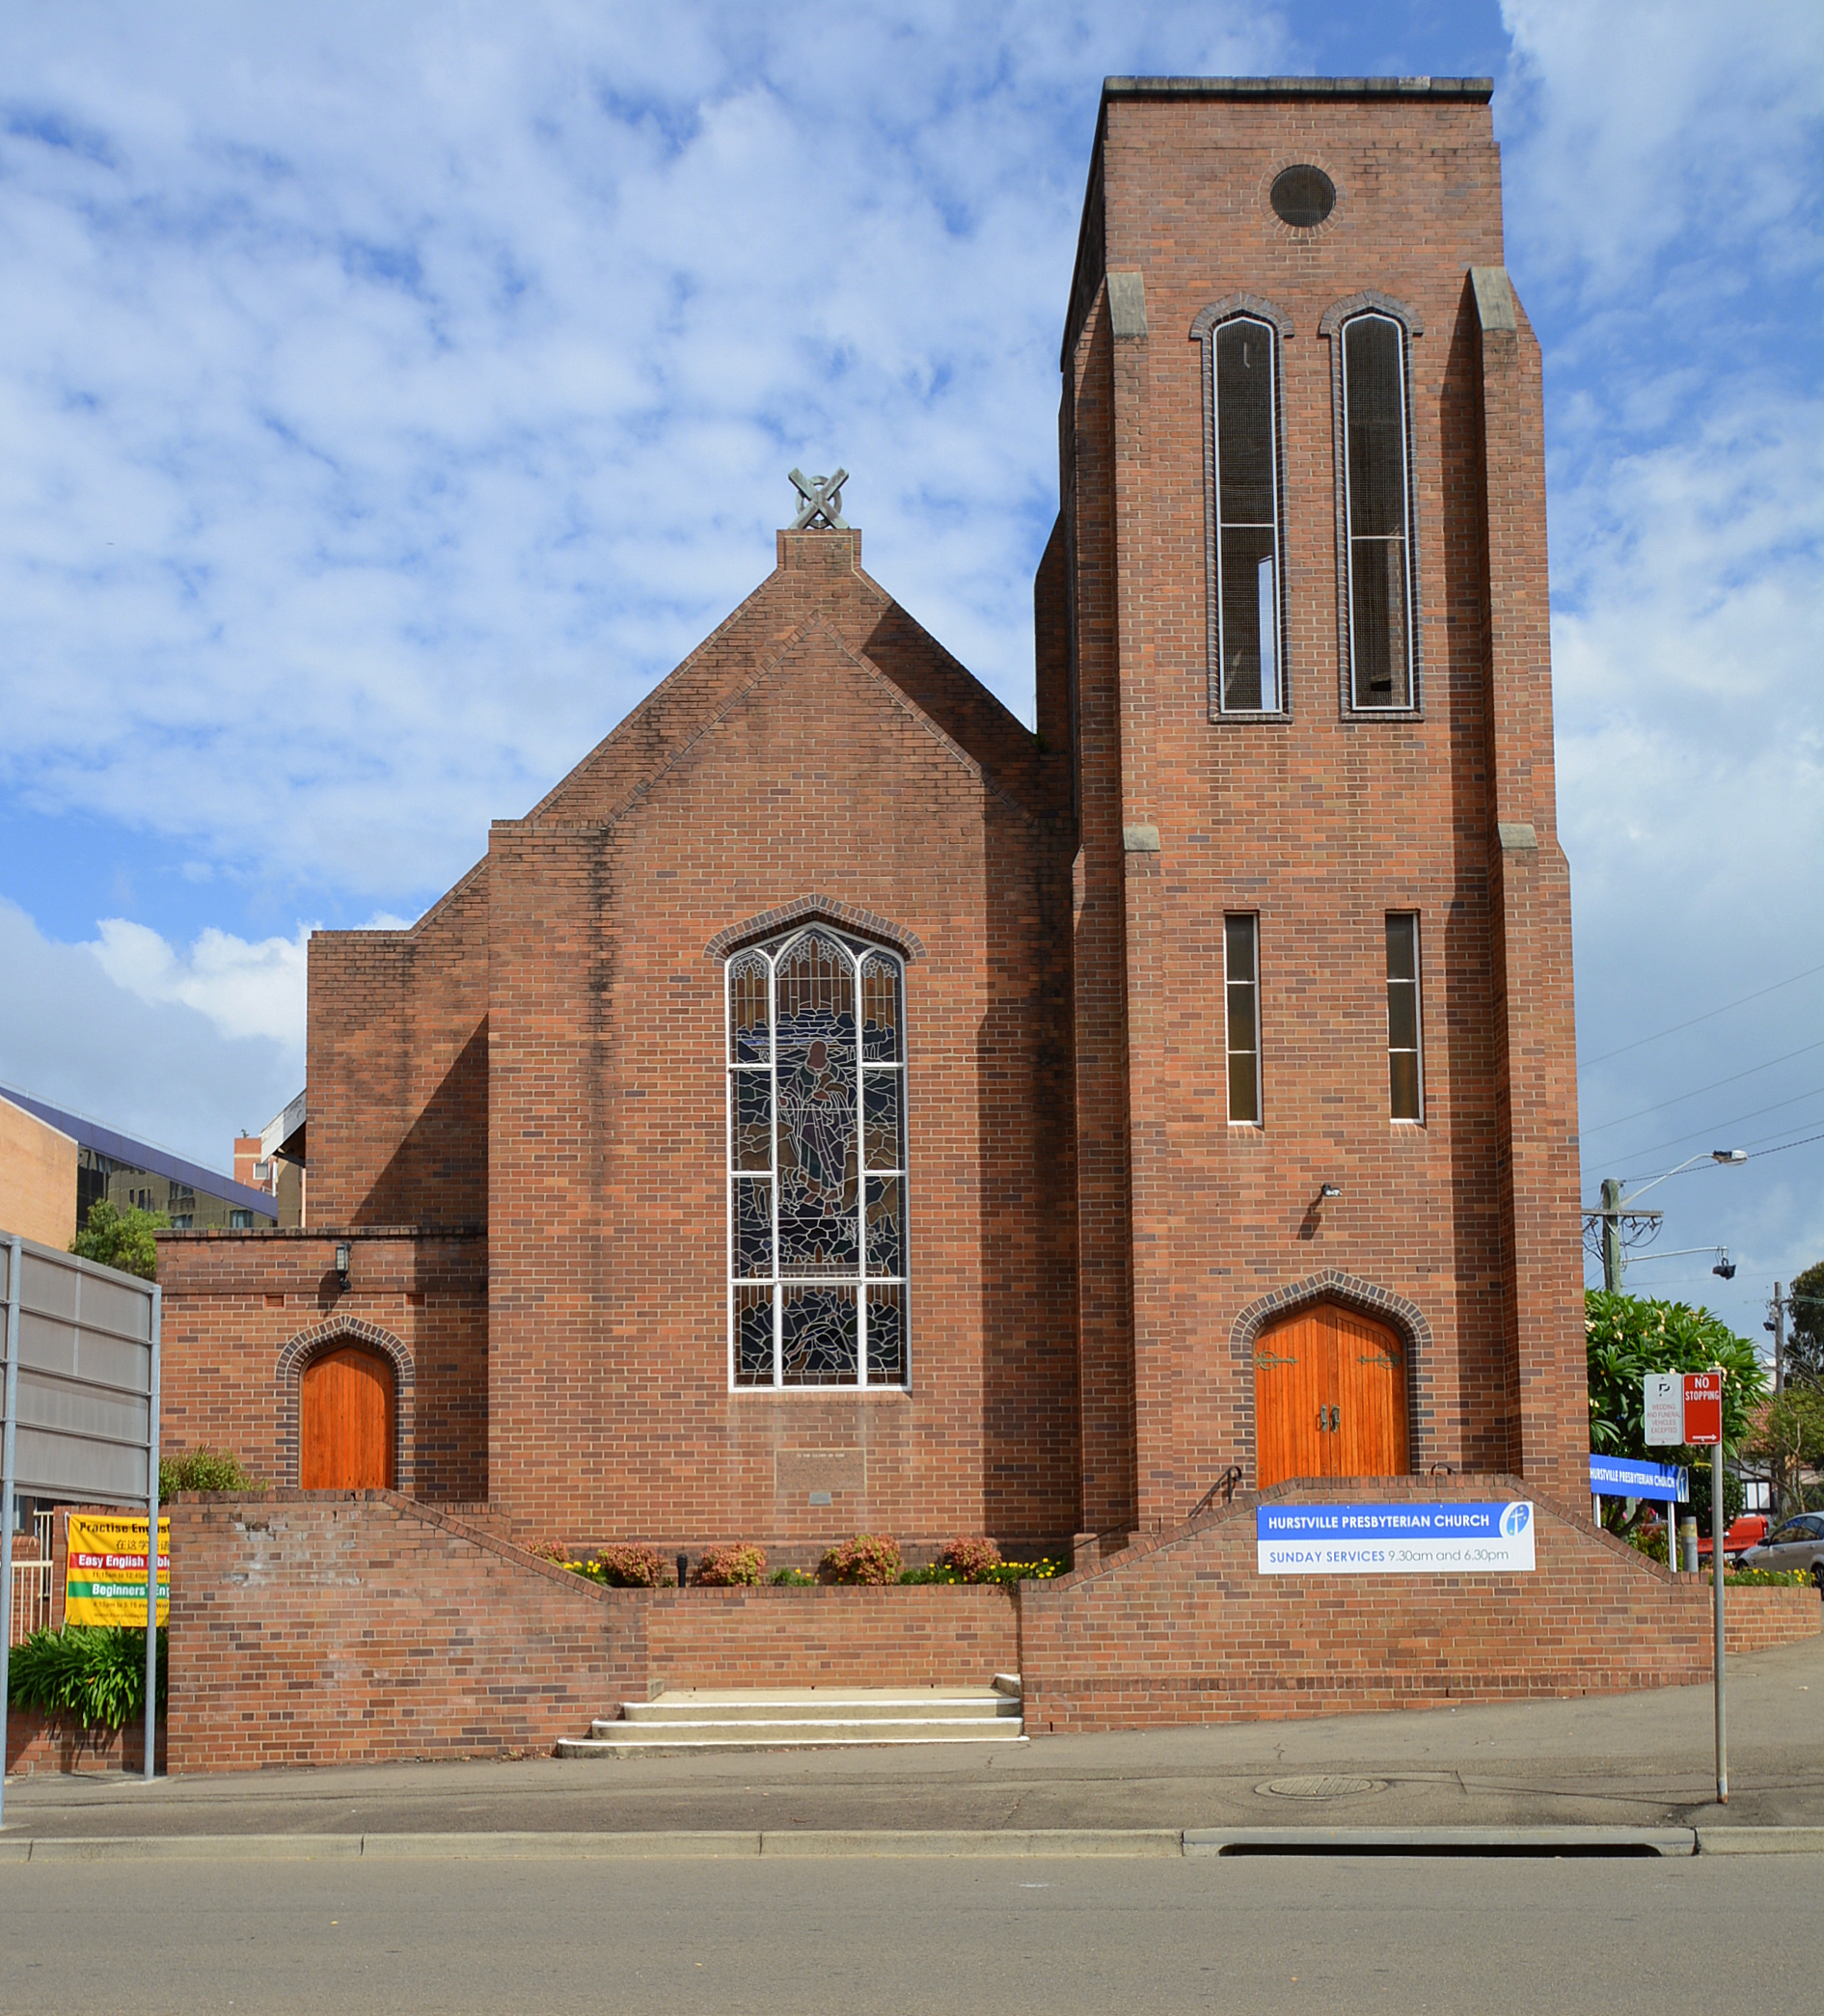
x=1303, y=195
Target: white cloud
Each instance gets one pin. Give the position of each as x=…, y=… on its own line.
x=139, y=1058
x=245, y=990
x=405, y=392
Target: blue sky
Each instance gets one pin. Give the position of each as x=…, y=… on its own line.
x=391, y=396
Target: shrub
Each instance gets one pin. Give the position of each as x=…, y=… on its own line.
x=95, y=1673
x=972, y=1559
x=736, y=1567
x=203, y=1469
x=629, y=1566
x=1763, y=1578
x=868, y=1558
x=120, y=1238
x=551, y=1550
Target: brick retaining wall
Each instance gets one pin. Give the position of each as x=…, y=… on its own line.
x=39, y=1742
x=321, y=1627
x=1185, y=1629
x=923, y=1636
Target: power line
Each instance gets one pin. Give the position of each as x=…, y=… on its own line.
x=1704, y=1134
x=1660, y=1105
x=1709, y=1014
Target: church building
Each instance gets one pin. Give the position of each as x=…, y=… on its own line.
x=837, y=1108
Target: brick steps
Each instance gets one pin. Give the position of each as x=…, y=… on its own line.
x=803, y=1718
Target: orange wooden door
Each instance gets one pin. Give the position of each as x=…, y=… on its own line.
x=345, y=1422
x=1371, y=1385
x=1329, y=1398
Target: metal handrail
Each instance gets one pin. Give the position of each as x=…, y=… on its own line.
x=1225, y=1483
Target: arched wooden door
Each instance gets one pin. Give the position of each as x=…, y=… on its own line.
x=1329, y=1398
x=345, y=1422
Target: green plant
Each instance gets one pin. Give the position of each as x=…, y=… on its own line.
x=734, y=1567
x=552, y=1551
x=869, y=1557
x=792, y=1578
x=626, y=1565
x=95, y=1673
x=120, y=1238
x=203, y=1469
x=1763, y=1578
x=972, y=1559
x=1626, y=1337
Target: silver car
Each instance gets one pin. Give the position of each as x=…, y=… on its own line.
x=1798, y=1543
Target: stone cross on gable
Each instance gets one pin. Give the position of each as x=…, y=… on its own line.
x=819, y=501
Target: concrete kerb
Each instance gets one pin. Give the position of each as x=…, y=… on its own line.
x=952, y=1842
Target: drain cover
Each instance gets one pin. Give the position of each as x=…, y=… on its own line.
x=1324, y=1786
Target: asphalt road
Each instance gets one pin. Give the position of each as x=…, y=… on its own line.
x=1279, y=1934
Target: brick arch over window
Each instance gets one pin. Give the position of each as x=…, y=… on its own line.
x=808, y=910
x=311, y=1344
x=1365, y=1298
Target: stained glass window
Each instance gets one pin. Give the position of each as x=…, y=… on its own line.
x=816, y=1163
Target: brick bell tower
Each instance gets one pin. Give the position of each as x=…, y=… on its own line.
x=1294, y=631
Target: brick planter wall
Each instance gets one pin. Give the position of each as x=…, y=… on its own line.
x=1185, y=1630
x=328, y=1627
x=38, y=1742
x=923, y=1636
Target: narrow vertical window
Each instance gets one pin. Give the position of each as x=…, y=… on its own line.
x=1405, y=1075
x=816, y=1163
x=1242, y=988
x=1248, y=517
x=1376, y=506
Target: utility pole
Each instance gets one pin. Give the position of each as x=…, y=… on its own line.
x=1779, y=1327
x=1611, y=1235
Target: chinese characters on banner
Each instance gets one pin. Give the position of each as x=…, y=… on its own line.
x=104, y=1579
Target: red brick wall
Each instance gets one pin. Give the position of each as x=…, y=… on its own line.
x=396, y=1069
x=611, y=1413
x=1186, y=1630
x=38, y=1742
x=1463, y=1229
x=245, y=1311
x=934, y=1636
x=330, y=1627
x=355, y=1627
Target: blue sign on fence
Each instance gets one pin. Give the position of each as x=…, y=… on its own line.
x=1626, y=1477
x=1394, y=1539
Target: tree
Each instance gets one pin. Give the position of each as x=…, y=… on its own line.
x=1626, y=1337
x=1789, y=1431
x=1804, y=1339
x=120, y=1238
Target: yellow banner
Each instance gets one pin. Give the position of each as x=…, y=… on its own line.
x=104, y=1578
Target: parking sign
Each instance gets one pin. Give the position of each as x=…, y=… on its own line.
x=1664, y=1409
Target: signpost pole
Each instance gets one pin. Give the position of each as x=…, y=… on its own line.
x=8, y=1465
x=1716, y=1579
x=152, y=1548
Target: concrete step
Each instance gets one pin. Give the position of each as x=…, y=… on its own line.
x=800, y=1718
x=825, y=1704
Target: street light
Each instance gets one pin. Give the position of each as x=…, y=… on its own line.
x=1615, y=1208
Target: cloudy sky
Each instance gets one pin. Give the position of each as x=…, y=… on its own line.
x=390, y=396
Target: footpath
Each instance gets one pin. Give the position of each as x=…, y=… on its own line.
x=1570, y=1773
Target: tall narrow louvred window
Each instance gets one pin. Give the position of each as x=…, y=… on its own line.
x=1242, y=1003
x=1248, y=517
x=817, y=1164
x=1376, y=501
x=1406, y=1074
